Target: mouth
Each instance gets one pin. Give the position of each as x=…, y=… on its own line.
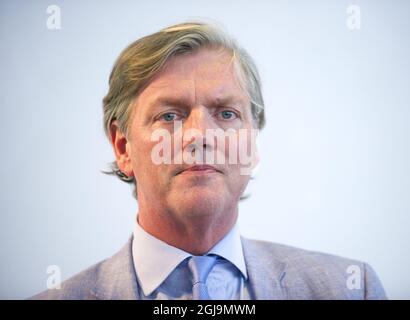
x=200, y=169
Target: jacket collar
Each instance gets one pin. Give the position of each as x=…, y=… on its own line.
x=266, y=273
x=116, y=279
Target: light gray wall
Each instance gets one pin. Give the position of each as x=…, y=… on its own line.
x=334, y=175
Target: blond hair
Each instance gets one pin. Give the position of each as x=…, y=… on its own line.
x=144, y=58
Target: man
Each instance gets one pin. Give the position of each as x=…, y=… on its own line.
x=167, y=91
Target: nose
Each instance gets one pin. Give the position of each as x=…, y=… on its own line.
x=199, y=119
x=195, y=127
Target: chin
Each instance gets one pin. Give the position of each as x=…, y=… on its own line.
x=200, y=201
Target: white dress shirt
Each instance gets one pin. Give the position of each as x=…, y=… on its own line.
x=162, y=271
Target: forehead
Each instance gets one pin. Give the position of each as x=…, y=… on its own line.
x=199, y=76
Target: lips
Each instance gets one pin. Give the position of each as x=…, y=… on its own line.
x=200, y=169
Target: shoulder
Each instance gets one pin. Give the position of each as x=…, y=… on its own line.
x=78, y=287
x=294, y=256
x=111, y=278
x=315, y=274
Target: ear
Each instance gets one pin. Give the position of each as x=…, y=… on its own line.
x=121, y=149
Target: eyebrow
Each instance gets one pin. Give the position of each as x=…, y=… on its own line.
x=183, y=101
x=168, y=100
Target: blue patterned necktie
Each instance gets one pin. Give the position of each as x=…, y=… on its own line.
x=200, y=267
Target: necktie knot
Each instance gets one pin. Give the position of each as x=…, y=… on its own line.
x=200, y=267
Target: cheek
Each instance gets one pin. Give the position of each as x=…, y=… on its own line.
x=236, y=182
x=245, y=153
x=240, y=147
x=141, y=158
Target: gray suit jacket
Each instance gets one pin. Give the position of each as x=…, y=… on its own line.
x=275, y=272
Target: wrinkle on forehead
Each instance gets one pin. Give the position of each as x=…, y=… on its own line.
x=211, y=68
x=188, y=62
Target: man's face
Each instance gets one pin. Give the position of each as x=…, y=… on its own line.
x=201, y=90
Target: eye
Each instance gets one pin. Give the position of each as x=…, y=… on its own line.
x=169, y=117
x=228, y=115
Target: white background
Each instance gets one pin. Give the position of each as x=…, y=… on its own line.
x=334, y=175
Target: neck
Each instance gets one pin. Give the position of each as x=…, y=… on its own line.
x=195, y=234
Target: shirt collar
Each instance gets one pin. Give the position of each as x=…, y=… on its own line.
x=154, y=260
x=230, y=248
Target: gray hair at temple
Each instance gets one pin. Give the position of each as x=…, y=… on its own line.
x=144, y=58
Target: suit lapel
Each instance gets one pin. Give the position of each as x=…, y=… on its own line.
x=266, y=273
x=116, y=277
